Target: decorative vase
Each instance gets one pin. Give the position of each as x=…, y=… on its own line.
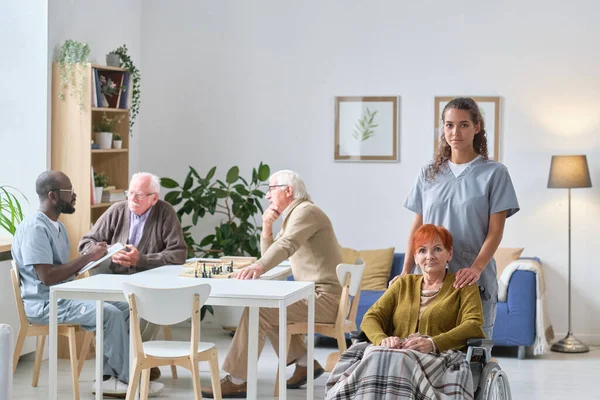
x=113, y=60
x=117, y=144
x=104, y=101
x=104, y=139
x=98, y=194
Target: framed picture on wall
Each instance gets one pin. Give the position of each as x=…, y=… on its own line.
x=366, y=129
x=489, y=107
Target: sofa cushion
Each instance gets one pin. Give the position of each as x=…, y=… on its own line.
x=377, y=266
x=505, y=256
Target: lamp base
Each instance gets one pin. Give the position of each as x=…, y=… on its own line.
x=570, y=344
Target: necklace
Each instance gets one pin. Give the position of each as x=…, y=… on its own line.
x=430, y=294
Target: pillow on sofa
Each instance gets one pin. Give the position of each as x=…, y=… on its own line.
x=505, y=256
x=378, y=264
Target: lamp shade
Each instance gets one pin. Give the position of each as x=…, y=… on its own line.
x=569, y=172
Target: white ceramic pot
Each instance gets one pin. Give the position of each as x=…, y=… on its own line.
x=117, y=144
x=104, y=139
x=98, y=194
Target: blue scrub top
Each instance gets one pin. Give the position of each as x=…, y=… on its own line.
x=37, y=241
x=463, y=205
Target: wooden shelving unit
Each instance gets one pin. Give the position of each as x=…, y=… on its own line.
x=72, y=134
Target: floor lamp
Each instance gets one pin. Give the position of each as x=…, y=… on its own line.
x=569, y=172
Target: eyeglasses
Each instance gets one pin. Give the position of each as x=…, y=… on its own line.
x=71, y=191
x=138, y=196
x=275, y=186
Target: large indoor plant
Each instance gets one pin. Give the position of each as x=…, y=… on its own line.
x=72, y=73
x=11, y=213
x=235, y=198
x=127, y=63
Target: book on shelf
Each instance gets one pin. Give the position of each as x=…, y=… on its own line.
x=98, y=93
x=124, y=99
x=113, y=195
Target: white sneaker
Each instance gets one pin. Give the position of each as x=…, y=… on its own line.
x=115, y=388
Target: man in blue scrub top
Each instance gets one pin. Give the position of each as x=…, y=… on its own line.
x=41, y=251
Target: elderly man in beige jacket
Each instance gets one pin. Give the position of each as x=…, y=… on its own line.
x=308, y=240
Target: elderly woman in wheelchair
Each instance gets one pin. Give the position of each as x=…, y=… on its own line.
x=415, y=333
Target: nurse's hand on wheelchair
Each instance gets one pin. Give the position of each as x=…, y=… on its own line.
x=466, y=276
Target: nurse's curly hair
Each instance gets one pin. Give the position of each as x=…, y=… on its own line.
x=479, y=141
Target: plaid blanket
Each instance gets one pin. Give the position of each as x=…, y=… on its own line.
x=365, y=371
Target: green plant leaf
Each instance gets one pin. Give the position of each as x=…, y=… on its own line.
x=242, y=190
x=168, y=183
x=264, y=172
x=233, y=174
x=171, y=197
x=207, y=240
x=211, y=173
x=189, y=181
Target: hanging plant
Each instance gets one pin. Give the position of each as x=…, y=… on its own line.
x=72, y=75
x=135, y=77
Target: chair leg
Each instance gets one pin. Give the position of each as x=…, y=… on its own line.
x=168, y=333
x=196, y=379
x=74, y=362
x=287, y=350
x=19, y=346
x=85, y=349
x=134, y=380
x=38, y=360
x=522, y=352
x=214, y=374
x=145, y=384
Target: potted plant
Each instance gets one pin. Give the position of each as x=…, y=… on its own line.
x=11, y=213
x=113, y=59
x=104, y=130
x=100, y=182
x=127, y=63
x=72, y=73
x=117, y=141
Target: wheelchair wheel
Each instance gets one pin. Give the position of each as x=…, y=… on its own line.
x=493, y=384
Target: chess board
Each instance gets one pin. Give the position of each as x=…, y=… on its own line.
x=216, y=268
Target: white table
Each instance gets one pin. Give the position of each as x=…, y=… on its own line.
x=224, y=292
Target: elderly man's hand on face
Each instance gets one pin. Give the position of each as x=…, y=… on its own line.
x=253, y=271
x=128, y=257
x=271, y=214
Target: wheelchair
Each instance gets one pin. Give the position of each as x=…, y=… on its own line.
x=489, y=381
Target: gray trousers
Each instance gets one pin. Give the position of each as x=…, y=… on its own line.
x=116, y=330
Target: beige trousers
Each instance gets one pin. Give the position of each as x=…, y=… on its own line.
x=236, y=361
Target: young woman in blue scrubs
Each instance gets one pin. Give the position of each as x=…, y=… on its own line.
x=468, y=194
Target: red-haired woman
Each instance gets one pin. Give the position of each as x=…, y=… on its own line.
x=415, y=328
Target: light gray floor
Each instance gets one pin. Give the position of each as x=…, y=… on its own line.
x=553, y=376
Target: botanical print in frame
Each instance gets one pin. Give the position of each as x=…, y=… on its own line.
x=489, y=107
x=366, y=128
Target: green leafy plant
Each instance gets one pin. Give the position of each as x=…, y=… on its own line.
x=236, y=199
x=11, y=213
x=116, y=136
x=127, y=63
x=72, y=73
x=100, y=180
x=363, y=129
x=107, y=124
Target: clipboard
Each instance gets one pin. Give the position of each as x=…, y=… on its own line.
x=111, y=251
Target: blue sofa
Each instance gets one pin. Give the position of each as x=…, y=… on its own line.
x=515, y=318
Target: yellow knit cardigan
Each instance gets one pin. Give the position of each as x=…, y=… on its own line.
x=454, y=315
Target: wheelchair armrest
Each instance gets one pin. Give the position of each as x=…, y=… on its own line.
x=480, y=343
x=359, y=337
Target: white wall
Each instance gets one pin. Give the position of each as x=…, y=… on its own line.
x=23, y=42
x=236, y=82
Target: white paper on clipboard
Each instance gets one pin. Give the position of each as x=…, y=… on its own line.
x=111, y=251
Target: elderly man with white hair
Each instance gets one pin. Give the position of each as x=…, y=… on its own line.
x=148, y=227
x=308, y=240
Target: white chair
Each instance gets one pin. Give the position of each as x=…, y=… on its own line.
x=168, y=307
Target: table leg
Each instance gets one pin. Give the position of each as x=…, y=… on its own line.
x=252, y=379
x=282, y=350
x=99, y=347
x=53, y=350
x=310, y=344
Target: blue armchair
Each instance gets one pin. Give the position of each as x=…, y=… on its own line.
x=515, y=318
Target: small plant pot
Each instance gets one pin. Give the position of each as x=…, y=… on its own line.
x=113, y=60
x=104, y=139
x=97, y=195
x=117, y=144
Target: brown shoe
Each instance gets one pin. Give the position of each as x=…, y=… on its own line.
x=300, y=375
x=154, y=373
x=229, y=390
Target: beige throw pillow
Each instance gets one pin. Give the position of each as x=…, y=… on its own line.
x=378, y=264
x=505, y=256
